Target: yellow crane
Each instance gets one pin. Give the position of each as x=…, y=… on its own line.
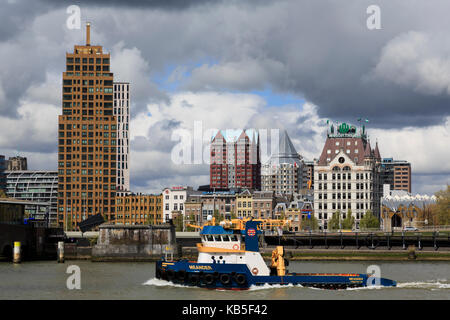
x=239, y=224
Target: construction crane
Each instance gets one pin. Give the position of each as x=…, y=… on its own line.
x=239, y=224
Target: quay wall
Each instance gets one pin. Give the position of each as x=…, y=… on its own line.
x=134, y=242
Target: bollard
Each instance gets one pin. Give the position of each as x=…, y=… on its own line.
x=16, y=253
x=403, y=241
x=60, y=257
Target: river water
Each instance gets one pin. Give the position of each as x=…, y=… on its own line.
x=47, y=280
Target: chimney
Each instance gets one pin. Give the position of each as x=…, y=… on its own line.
x=88, y=33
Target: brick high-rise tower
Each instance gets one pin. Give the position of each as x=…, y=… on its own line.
x=87, y=154
x=235, y=160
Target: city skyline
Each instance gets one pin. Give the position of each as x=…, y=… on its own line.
x=171, y=91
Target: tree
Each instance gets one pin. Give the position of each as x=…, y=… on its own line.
x=369, y=221
x=441, y=210
x=177, y=220
x=69, y=225
x=3, y=194
x=349, y=221
x=217, y=216
x=333, y=223
x=310, y=224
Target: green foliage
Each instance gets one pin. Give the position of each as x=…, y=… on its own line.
x=217, y=216
x=349, y=221
x=333, y=223
x=369, y=221
x=310, y=224
x=441, y=210
x=3, y=194
x=178, y=222
x=69, y=226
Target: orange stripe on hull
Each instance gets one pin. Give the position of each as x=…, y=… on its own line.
x=201, y=248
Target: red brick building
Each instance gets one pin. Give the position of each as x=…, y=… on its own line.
x=235, y=160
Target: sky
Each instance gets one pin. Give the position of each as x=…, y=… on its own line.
x=289, y=65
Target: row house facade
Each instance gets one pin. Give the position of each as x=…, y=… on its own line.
x=136, y=209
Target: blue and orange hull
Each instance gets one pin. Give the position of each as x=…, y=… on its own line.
x=238, y=276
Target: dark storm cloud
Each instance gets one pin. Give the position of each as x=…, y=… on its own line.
x=319, y=50
x=153, y=4
x=16, y=15
x=324, y=52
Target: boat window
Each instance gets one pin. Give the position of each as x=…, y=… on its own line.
x=210, y=238
x=217, y=238
x=234, y=237
x=225, y=238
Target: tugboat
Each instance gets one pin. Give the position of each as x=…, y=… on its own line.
x=229, y=258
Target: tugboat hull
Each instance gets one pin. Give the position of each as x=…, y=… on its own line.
x=239, y=277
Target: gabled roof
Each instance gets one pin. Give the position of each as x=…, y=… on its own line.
x=354, y=145
x=367, y=151
x=377, y=152
x=233, y=135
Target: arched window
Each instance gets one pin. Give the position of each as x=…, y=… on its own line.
x=346, y=168
x=336, y=168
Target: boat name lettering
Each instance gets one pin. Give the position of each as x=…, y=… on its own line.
x=200, y=268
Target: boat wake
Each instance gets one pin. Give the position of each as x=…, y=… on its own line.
x=163, y=283
x=272, y=286
x=432, y=285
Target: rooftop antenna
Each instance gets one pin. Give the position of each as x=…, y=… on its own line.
x=88, y=33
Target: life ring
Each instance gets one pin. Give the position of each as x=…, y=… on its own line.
x=235, y=246
x=255, y=271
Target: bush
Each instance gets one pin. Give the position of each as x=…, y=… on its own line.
x=369, y=221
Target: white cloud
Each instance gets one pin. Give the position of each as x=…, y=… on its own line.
x=244, y=75
x=417, y=60
x=426, y=148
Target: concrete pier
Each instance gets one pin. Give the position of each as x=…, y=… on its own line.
x=134, y=242
x=17, y=252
